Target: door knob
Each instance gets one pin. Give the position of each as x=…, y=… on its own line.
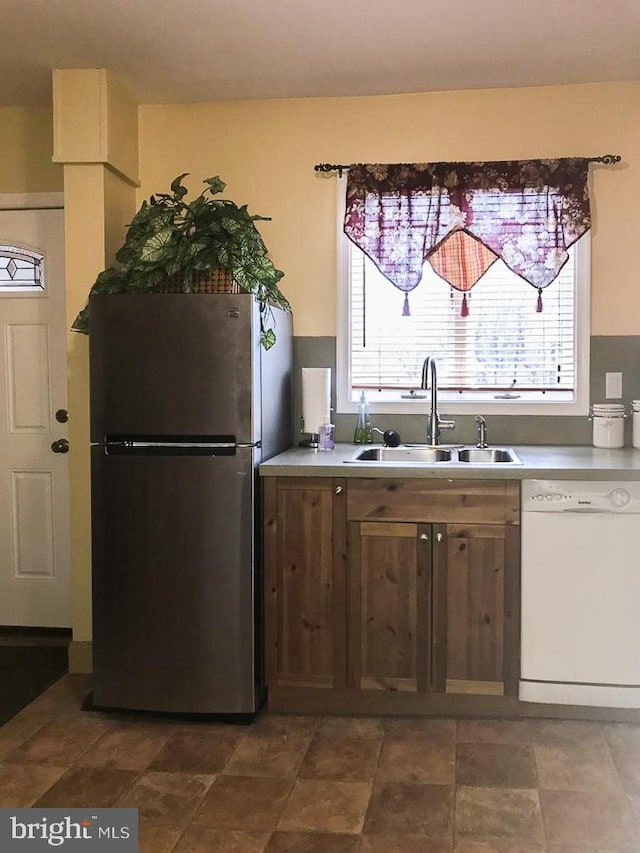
x=60, y=446
x=62, y=416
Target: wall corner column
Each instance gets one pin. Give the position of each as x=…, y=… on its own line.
x=95, y=138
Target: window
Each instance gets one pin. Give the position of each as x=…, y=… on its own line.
x=20, y=271
x=504, y=356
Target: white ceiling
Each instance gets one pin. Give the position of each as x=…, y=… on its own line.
x=202, y=50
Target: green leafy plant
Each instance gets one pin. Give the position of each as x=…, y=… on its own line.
x=170, y=236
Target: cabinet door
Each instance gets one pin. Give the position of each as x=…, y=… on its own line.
x=389, y=606
x=305, y=551
x=469, y=591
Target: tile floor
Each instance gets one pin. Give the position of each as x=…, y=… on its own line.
x=332, y=785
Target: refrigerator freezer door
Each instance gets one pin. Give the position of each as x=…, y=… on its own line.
x=173, y=583
x=175, y=364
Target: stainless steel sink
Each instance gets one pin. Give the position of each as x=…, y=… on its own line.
x=487, y=454
x=404, y=455
x=428, y=455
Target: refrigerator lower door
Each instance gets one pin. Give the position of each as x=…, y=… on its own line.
x=174, y=583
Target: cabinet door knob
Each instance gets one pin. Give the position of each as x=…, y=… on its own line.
x=339, y=490
x=424, y=537
x=439, y=537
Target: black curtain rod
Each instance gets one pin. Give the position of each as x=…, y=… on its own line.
x=605, y=159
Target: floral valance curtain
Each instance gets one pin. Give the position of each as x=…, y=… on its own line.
x=462, y=217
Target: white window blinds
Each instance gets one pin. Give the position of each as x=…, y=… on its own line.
x=503, y=346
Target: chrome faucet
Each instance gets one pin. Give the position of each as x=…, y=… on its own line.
x=434, y=424
x=482, y=431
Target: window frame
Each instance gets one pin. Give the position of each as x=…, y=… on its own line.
x=582, y=342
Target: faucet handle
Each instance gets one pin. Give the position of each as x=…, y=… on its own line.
x=446, y=424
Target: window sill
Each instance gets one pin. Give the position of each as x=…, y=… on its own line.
x=471, y=406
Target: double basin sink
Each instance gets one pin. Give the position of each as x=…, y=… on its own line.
x=428, y=455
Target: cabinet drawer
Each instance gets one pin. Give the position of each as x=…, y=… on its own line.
x=440, y=501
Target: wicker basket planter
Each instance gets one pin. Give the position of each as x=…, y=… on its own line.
x=215, y=281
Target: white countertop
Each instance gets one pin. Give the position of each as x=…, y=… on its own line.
x=537, y=462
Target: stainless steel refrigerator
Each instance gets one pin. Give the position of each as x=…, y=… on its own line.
x=185, y=404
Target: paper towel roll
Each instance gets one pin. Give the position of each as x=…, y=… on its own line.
x=316, y=397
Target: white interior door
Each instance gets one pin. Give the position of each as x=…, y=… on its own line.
x=34, y=488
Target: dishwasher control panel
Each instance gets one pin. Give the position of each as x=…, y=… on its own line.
x=580, y=496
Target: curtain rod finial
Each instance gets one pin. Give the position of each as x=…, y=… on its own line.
x=607, y=159
x=331, y=167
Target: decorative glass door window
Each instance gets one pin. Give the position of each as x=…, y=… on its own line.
x=21, y=270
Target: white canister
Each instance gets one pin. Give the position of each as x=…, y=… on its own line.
x=635, y=408
x=608, y=424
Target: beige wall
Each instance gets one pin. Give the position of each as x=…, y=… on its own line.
x=25, y=153
x=266, y=150
x=119, y=209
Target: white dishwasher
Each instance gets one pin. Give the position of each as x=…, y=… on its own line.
x=581, y=593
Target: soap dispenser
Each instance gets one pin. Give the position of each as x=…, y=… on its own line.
x=363, y=433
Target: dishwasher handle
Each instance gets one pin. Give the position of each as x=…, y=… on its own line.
x=585, y=510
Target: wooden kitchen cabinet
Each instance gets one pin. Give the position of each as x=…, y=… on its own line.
x=305, y=582
x=420, y=601
x=447, y=600
x=389, y=608
x=476, y=607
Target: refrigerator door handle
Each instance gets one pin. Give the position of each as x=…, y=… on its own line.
x=175, y=444
x=174, y=448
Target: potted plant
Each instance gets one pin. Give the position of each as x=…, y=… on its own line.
x=171, y=243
